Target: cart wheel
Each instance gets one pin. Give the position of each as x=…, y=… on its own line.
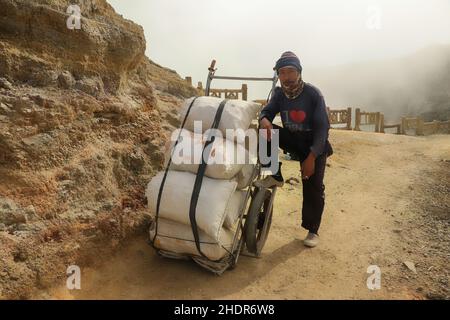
x=258, y=221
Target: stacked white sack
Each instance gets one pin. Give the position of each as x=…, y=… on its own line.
x=223, y=160
x=237, y=114
x=219, y=202
x=184, y=242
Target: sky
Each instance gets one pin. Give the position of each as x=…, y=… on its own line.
x=247, y=36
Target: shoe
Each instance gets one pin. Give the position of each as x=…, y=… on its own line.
x=268, y=182
x=311, y=240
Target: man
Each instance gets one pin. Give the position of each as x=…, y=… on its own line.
x=304, y=135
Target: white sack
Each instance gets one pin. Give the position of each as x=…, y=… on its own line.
x=233, y=210
x=223, y=161
x=237, y=114
x=214, y=199
x=178, y=238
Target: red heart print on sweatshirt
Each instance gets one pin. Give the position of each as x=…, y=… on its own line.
x=297, y=115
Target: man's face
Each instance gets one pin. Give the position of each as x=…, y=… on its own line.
x=288, y=76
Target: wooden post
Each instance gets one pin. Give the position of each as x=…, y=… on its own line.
x=377, y=122
x=445, y=126
x=189, y=80
x=403, y=126
x=244, y=92
x=349, y=118
x=419, y=126
x=382, y=123
x=435, y=126
x=357, y=119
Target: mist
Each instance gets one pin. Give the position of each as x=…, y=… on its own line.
x=389, y=56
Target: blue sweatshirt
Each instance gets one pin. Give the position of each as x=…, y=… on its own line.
x=306, y=116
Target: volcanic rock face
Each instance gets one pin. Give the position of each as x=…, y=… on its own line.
x=84, y=115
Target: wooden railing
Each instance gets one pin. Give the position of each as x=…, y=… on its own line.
x=366, y=118
x=225, y=93
x=424, y=128
x=230, y=93
x=388, y=126
x=436, y=127
x=341, y=116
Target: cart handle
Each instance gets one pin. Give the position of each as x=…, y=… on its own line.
x=211, y=67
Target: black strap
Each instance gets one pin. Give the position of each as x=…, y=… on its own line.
x=200, y=175
x=161, y=187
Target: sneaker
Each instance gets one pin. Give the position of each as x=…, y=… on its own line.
x=268, y=182
x=311, y=240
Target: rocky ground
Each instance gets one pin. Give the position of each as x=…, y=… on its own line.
x=83, y=118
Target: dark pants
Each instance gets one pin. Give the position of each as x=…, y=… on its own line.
x=298, y=143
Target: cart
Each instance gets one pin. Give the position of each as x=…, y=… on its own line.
x=255, y=215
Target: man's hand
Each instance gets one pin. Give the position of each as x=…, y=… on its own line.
x=308, y=166
x=266, y=124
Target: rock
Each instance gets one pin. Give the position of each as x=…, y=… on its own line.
x=3, y=227
x=410, y=265
x=23, y=227
x=293, y=181
x=91, y=86
x=4, y=109
x=18, y=217
x=10, y=213
x=30, y=213
x=134, y=161
x=20, y=255
x=38, y=140
x=435, y=296
x=7, y=204
x=108, y=206
x=66, y=80
x=42, y=78
x=151, y=146
x=5, y=84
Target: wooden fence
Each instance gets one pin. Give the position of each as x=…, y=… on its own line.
x=341, y=116
x=387, y=126
x=224, y=93
x=424, y=128
x=366, y=118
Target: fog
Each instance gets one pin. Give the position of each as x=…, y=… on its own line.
x=390, y=56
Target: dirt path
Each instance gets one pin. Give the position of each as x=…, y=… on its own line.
x=377, y=187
